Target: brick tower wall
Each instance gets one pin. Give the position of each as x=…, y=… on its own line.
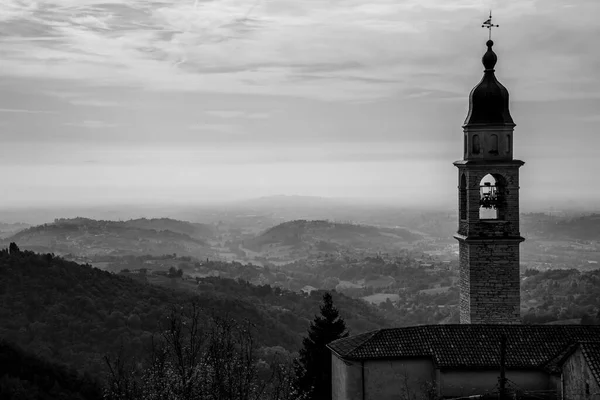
x=489, y=283
x=489, y=248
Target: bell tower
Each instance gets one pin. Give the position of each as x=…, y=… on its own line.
x=488, y=203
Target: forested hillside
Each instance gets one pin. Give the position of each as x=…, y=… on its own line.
x=299, y=239
x=75, y=314
x=586, y=227
x=25, y=376
x=561, y=295
x=7, y=230
x=87, y=237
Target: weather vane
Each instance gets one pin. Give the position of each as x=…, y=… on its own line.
x=488, y=24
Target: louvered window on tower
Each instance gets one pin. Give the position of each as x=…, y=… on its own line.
x=463, y=197
x=494, y=144
x=476, y=145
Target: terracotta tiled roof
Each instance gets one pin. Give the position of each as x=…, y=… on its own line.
x=554, y=364
x=467, y=345
x=591, y=353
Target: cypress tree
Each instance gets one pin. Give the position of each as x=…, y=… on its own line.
x=313, y=371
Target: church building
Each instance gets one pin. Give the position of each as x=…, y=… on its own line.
x=490, y=351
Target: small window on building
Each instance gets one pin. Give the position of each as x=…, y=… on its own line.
x=508, y=144
x=587, y=388
x=494, y=144
x=476, y=147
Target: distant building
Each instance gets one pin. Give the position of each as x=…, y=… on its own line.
x=453, y=361
x=307, y=290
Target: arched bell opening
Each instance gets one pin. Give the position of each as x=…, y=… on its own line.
x=491, y=197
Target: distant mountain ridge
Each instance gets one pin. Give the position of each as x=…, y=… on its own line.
x=323, y=235
x=7, y=230
x=87, y=237
x=586, y=227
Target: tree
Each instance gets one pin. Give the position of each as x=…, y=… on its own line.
x=198, y=355
x=13, y=248
x=313, y=370
x=175, y=273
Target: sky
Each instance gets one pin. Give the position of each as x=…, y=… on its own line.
x=193, y=101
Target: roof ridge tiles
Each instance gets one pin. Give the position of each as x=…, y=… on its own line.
x=529, y=346
x=367, y=339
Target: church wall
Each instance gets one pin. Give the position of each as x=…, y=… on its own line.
x=575, y=374
x=346, y=379
x=459, y=383
x=396, y=379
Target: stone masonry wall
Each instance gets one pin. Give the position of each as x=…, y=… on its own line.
x=489, y=248
x=490, y=286
x=465, y=287
x=578, y=381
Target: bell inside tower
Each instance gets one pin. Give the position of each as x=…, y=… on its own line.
x=489, y=198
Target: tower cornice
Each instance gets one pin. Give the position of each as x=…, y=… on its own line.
x=487, y=164
x=488, y=239
x=489, y=128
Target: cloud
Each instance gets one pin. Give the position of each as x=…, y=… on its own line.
x=591, y=118
x=93, y=124
x=83, y=99
x=24, y=111
x=96, y=103
x=228, y=129
x=351, y=50
x=238, y=114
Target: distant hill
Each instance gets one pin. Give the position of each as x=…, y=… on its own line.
x=7, y=230
x=75, y=314
x=88, y=237
x=325, y=236
x=543, y=226
x=195, y=230
x=560, y=296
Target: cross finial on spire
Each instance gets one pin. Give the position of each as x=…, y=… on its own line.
x=488, y=24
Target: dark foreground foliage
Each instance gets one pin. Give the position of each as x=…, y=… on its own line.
x=201, y=357
x=25, y=376
x=313, y=368
x=74, y=314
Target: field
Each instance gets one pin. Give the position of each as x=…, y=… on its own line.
x=379, y=298
x=437, y=290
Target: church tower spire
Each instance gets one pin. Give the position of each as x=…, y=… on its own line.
x=488, y=186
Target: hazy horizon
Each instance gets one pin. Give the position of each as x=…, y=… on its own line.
x=125, y=102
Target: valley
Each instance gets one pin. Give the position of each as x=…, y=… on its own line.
x=76, y=288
